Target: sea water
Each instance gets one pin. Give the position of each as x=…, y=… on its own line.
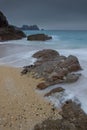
x=18, y=53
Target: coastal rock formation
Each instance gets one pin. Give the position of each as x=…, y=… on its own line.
x=73, y=118
x=45, y=55
x=3, y=20
x=54, y=68
x=9, y=32
x=32, y=27
x=38, y=37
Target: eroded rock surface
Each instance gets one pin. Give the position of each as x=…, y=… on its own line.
x=9, y=32
x=54, y=68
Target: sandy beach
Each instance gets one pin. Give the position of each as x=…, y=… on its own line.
x=21, y=107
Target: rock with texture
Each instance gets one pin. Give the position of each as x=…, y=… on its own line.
x=54, y=68
x=9, y=32
x=55, y=90
x=38, y=37
x=3, y=20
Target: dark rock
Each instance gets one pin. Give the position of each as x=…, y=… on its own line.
x=3, y=20
x=25, y=71
x=38, y=37
x=9, y=32
x=32, y=27
x=58, y=75
x=42, y=86
x=55, y=90
x=73, y=118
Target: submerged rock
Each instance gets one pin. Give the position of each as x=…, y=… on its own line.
x=38, y=37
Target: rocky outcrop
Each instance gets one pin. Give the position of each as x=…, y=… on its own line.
x=3, y=20
x=54, y=68
x=38, y=37
x=32, y=27
x=73, y=118
x=9, y=32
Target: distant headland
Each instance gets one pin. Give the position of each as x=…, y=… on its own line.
x=31, y=27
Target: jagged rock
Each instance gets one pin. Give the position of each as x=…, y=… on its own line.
x=3, y=20
x=38, y=37
x=9, y=32
x=55, y=90
x=57, y=75
x=71, y=63
x=55, y=68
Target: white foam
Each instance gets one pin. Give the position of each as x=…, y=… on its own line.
x=18, y=60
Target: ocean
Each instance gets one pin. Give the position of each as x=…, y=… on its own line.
x=18, y=53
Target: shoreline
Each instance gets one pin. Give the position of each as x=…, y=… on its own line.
x=21, y=107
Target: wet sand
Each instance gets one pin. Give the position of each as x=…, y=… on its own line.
x=21, y=107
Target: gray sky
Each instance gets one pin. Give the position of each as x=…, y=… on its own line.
x=48, y=14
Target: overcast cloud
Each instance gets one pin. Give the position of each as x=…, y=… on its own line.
x=48, y=14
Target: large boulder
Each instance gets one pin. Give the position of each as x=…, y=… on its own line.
x=54, y=68
x=38, y=37
x=9, y=32
x=46, y=55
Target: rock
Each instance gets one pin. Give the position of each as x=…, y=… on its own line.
x=55, y=68
x=3, y=20
x=55, y=90
x=32, y=27
x=42, y=86
x=71, y=63
x=73, y=118
x=25, y=71
x=38, y=37
x=46, y=54
x=70, y=78
x=57, y=75
x=9, y=32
